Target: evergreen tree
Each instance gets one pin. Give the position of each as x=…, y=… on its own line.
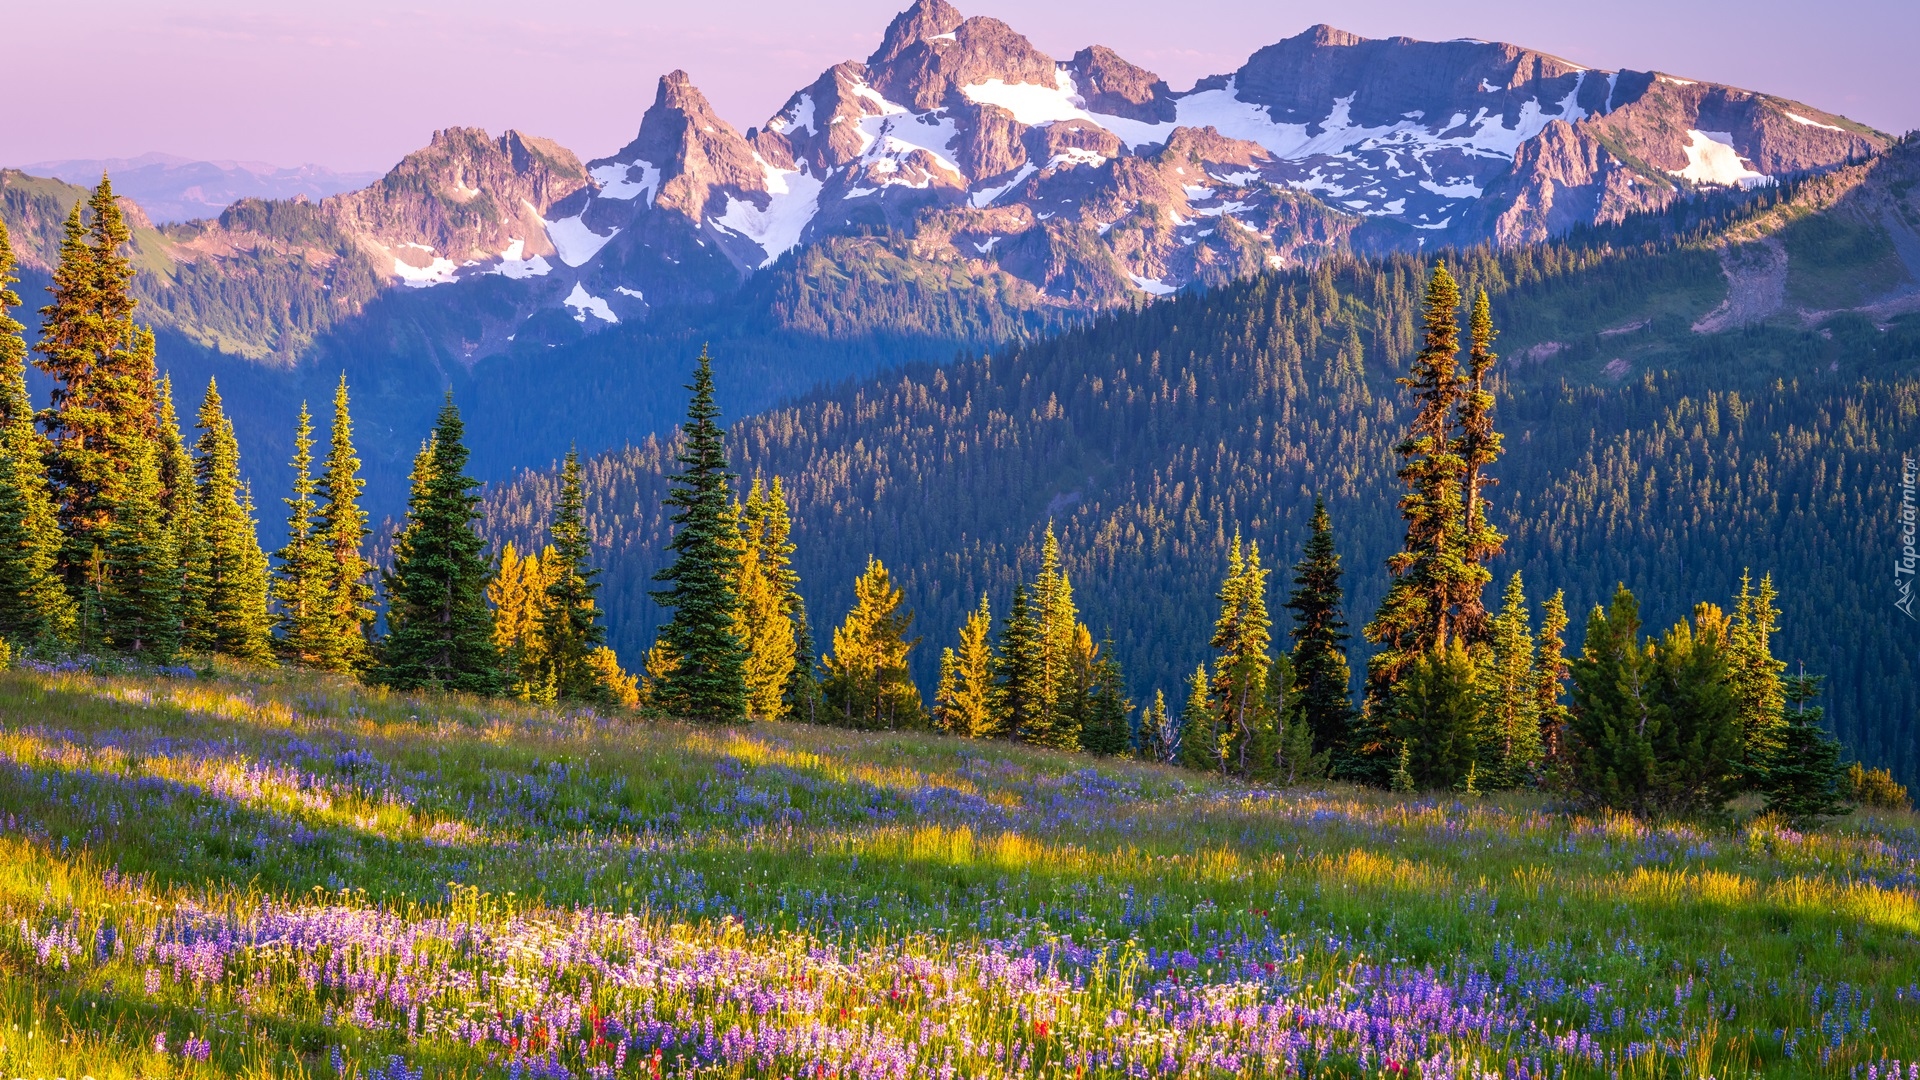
x=518, y=596
x=142, y=589
x=570, y=629
x=1753, y=675
x=868, y=685
x=237, y=622
x=1511, y=749
x=343, y=530
x=1653, y=728
x=1158, y=739
x=1295, y=759
x=1436, y=716
x=763, y=617
x=1064, y=662
x=1804, y=781
x=1431, y=568
x=1019, y=696
x=620, y=688
x=1319, y=636
x=965, y=702
x=1242, y=636
x=35, y=608
x=1478, y=447
x=1550, y=679
x=1108, y=730
x=439, y=630
x=1201, y=746
x=181, y=505
x=708, y=679
x=306, y=623
x=102, y=419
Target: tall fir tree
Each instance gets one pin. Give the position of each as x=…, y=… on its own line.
x=707, y=680
x=1200, y=744
x=102, y=416
x=343, y=530
x=1295, y=759
x=181, y=503
x=1416, y=613
x=965, y=703
x=868, y=685
x=1436, y=716
x=1242, y=640
x=1018, y=697
x=300, y=586
x=1478, y=447
x=439, y=629
x=1058, y=708
x=763, y=617
x=1753, y=675
x=35, y=608
x=570, y=630
x=518, y=596
x=1108, y=730
x=1804, y=781
x=236, y=621
x=1510, y=744
x=1319, y=633
x=1549, y=684
x=142, y=589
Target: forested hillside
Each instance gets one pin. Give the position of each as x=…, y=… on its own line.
x=1664, y=428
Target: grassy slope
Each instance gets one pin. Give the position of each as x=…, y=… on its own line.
x=291, y=866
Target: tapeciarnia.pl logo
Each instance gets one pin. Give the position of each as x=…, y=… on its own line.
x=1904, y=566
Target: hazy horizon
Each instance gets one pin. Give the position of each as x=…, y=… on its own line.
x=356, y=85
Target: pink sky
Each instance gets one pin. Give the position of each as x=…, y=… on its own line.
x=355, y=84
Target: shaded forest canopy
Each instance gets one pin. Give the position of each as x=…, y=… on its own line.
x=1638, y=451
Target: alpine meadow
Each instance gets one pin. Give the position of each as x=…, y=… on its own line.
x=1393, y=563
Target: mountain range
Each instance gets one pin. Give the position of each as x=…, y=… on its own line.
x=1082, y=183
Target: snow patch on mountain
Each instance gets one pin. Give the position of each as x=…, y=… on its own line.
x=793, y=197
x=1038, y=106
x=574, y=242
x=1803, y=121
x=515, y=264
x=798, y=118
x=438, y=271
x=617, y=180
x=984, y=197
x=898, y=132
x=1711, y=159
x=585, y=303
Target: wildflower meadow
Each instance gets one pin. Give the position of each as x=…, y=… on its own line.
x=284, y=875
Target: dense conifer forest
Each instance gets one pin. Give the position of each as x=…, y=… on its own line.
x=1637, y=452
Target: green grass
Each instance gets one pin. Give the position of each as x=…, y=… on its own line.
x=538, y=884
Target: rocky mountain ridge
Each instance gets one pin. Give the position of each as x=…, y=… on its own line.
x=1078, y=184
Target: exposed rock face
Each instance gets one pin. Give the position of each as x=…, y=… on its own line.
x=1563, y=177
x=1111, y=85
x=694, y=150
x=992, y=146
x=927, y=56
x=1386, y=79
x=465, y=197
